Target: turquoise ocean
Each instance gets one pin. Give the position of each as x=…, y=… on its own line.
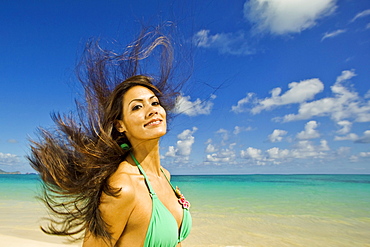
x=240, y=210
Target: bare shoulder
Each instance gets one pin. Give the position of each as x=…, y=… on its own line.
x=124, y=181
x=116, y=210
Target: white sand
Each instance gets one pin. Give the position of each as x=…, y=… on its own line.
x=9, y=241
x=20, y=221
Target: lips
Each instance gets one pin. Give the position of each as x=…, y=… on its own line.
x=153, y=122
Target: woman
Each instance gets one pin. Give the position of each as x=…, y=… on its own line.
x=102, y=175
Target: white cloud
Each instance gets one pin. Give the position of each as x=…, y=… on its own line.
x=286, y=16
x=254, y=154
x=361, y=14
x=367, y=95
x=333, y=34
x=183, y=146
x=226, y=155
x=276, y=153
x=365, y=138
x=309, y=131
x=343, y=151
x=346, y=127
x=324, y=145
x=171, y=151
x=277, y=135
x=198, y=107
x=8, y=159
x=346, y=75
x=238, y=129
x=225, y=43
x=360, y=156
x=344, y=104
x=364, y=154
x=303, y=149
x=298, y=92
x=186, y=141
x=224, y=134
x=211, y=148
x=348, y=137
x=241, y=105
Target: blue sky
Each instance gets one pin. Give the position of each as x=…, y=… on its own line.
x=277, y=86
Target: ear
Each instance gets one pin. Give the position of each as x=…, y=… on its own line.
x=120, y=126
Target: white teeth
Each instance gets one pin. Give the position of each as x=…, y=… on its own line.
x=155, y=122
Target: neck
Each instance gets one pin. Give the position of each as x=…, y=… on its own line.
x=147, y=154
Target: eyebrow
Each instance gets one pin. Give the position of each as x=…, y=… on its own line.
x=140, y=100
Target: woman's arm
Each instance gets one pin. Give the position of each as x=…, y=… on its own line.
x=115, y=212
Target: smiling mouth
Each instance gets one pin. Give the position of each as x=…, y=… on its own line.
x=154, y=122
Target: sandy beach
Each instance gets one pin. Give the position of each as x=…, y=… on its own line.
x=20, y=228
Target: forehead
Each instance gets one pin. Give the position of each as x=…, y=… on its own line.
x=137, y=92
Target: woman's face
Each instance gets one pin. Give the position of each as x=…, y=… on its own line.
x=143, y=117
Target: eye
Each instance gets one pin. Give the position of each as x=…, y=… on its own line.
x=156, y=103
x=136, y=107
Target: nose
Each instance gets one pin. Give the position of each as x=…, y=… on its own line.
x=152, y=111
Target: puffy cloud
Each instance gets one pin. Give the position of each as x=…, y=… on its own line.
x=348, y=137
x=360, y=156
x=364, y=154
x=211, y=148
x=365, y=138
x=344, y=104
x=186, y=141
x=303, y=149
x=225, y=43
x=361, y=14
x=346, y=75
x=197, y=107
x=367, y=95
x=306, y=149
x=344, y=132
x=8, y=159
x=299, y=92
x=333, y=34
x=241, y=105
x=277, y=135
x=226, y=155
x=238, y=129
x=252, y=153
x=286, y=16
x=346, y=127
x=324, y=145
x=276, y=153
x=309, y=131
x=183, y=146
x=224, y=134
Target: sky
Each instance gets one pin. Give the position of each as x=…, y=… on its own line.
x=276, y=86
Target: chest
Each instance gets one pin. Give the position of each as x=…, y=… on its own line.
x=141, y=215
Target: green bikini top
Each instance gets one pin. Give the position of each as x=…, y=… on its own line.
x=163, y=230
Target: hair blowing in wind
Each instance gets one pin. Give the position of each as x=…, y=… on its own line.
x=78, y=155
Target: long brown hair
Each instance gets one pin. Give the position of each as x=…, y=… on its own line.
x=76, y=158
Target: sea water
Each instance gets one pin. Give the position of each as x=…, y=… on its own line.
x=244, y=210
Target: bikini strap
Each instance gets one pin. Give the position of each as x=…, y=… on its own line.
x=174, y=189
x=151, y=191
